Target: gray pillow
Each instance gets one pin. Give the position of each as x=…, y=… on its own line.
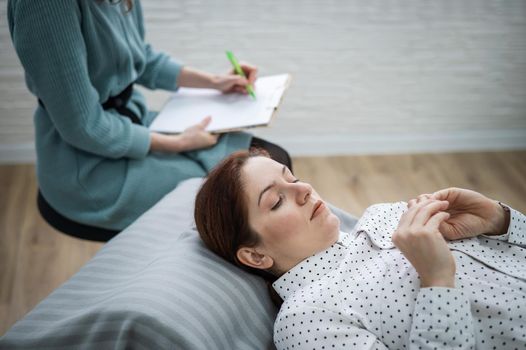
x=155, y=286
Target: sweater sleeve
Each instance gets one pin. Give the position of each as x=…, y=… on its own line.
x=516, y=230
x=161, y=71
x=442, y=319
x=48, y=39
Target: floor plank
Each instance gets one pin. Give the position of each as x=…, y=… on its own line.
x=35, y=259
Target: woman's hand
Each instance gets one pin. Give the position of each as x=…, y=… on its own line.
x=194, y=137
x=233, y=82
x=419, y=239
x=471, y=214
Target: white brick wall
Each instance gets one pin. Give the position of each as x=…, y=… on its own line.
x=368, y=76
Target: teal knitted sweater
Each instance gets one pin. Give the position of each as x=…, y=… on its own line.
x=94, y=165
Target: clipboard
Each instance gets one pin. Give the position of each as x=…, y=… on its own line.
x=230, y=112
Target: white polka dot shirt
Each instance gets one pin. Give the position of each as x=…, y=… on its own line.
x=362, y=293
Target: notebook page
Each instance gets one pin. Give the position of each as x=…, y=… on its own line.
x=229, y=111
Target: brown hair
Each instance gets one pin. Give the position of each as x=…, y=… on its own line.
x=221, y=214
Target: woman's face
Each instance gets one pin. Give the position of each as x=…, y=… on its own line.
x=290, y=218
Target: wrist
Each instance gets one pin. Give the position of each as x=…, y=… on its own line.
x=166, y=143
x=155, y=142
x=193, y=78
x=504, y=222
x=213, y=81
x=500, y=220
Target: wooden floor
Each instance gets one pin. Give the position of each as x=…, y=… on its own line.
x=35, y=259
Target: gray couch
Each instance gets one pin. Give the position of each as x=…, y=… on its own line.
x=155, y=286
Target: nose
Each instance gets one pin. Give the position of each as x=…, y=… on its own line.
x=303, y=192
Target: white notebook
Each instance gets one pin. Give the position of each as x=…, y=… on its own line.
x=229, y=112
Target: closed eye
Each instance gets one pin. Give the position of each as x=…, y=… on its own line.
x=278, y=203
x=280, y=200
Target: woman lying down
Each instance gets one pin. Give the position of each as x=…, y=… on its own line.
x=446, y=270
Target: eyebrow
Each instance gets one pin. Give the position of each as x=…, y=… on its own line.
x=271, y=185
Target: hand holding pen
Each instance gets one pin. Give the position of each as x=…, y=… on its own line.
x=233, y=82
x=240, y=79
x=245, y=71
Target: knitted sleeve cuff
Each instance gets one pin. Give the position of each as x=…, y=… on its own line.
x=168, y=75
x=140, y=142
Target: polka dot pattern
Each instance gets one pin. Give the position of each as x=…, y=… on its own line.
x=361, y=293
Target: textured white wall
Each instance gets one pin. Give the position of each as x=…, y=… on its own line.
x=375, y=76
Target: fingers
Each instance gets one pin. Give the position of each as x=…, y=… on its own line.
x=446, y=194
x=240, y=89
x=235, y=83
x=238, y=83
x=420, y=212
x=205, y=122
x=409, y=215
x=435, y=221
x=418, y=199
x=211, y=138
x=241, y=81
x=423, y=196
x=418, y=226
x=427, y=210
x=250, y=71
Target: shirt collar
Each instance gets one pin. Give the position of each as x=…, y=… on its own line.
x=311, y=269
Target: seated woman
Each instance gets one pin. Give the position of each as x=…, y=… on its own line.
x=446, y=270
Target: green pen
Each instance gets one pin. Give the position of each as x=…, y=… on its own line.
x=239, y=71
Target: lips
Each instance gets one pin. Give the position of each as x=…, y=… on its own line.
x=317, y=206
